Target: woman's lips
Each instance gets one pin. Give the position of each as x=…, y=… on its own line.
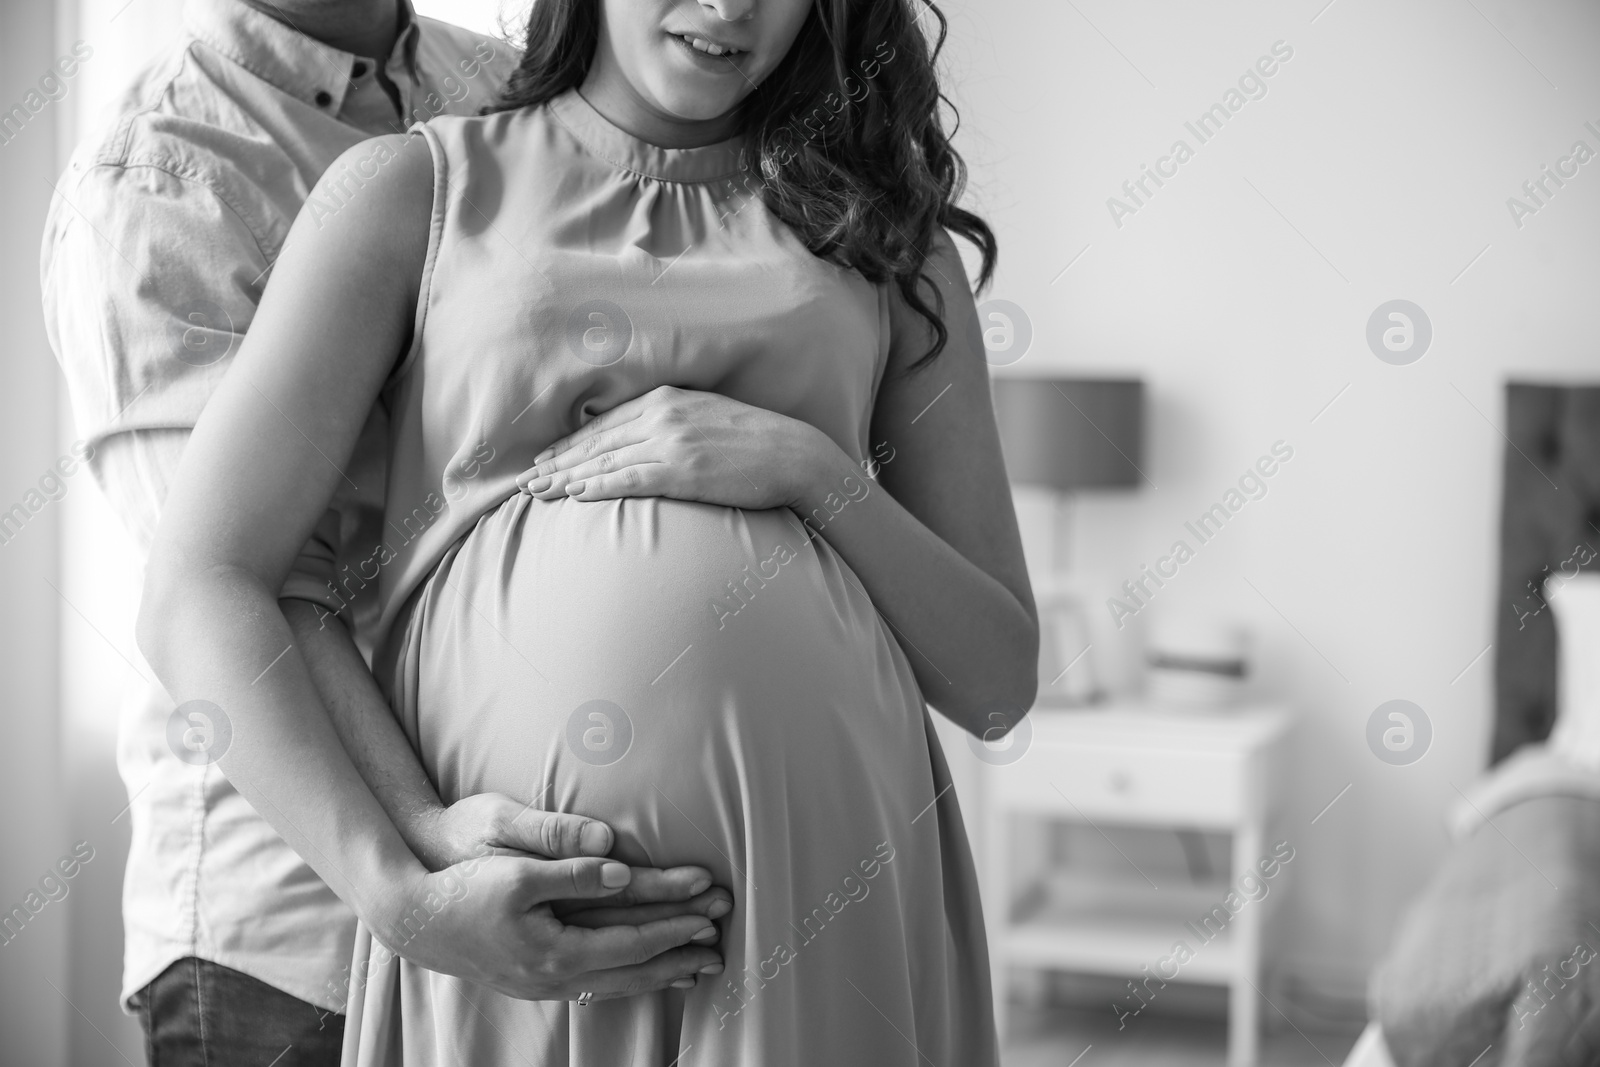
x=709, y=55
x=708, y=46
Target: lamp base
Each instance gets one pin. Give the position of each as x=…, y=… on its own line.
x=1066, y=666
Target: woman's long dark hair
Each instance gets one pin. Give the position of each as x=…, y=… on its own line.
x=845, y=134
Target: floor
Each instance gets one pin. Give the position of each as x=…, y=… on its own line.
x=1077, y=1037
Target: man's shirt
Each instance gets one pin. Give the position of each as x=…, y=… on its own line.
x=159, y=242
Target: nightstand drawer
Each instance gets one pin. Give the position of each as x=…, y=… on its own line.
x=1195, y=788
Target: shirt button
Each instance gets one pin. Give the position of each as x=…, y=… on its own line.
x=324, y=98
x=358, y=70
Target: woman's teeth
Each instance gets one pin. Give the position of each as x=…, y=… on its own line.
x=700, y=44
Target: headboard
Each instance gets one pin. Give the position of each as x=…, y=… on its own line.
x=1549, y=522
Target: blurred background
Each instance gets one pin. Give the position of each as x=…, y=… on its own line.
x=1375, y=164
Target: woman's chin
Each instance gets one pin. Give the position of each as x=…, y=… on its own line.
x=689, y=106
x=689, y=94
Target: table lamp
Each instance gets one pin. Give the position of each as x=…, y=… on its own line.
x=1062, y=436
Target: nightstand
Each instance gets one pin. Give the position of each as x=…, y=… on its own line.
x=1126, y=765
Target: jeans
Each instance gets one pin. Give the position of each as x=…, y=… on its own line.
x=202, y=1014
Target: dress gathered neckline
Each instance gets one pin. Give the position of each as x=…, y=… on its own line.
x=705, y=163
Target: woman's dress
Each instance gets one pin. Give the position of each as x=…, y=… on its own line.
x=712, y=682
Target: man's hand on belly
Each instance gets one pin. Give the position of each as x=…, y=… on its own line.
x=572, y=929
x=651, y=896
x=495, y=824
x=495, y=921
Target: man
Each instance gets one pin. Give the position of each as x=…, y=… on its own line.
x=159, y=242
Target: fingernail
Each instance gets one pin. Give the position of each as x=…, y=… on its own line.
x=615, y=875
x=718, y=909
x=704, y=935
x=683, y=983
x=574, y=488
x=539, y=484
x=711, y=968
x=698, y=886
x=594, y=839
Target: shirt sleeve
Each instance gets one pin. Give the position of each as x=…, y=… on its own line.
x=149, y=282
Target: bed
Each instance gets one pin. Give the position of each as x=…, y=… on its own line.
x=1497, y=962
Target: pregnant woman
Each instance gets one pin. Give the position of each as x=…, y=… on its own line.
x=695, y=498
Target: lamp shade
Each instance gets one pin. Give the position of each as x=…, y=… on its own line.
x=1071, y=433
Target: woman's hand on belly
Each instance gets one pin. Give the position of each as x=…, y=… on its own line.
x=687, y=445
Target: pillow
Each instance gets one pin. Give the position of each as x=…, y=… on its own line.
x=1576, y=603
x=1533, y=770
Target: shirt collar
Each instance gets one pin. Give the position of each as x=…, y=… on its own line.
x=299, y=65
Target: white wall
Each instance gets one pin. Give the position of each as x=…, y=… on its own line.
x=1390, y=142
x=484, y=16
x=33, y=834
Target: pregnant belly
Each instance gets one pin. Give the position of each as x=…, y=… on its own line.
x=703, y=678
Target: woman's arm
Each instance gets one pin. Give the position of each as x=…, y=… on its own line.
x=938, y=550
x=258, y=471
x=937, y=547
